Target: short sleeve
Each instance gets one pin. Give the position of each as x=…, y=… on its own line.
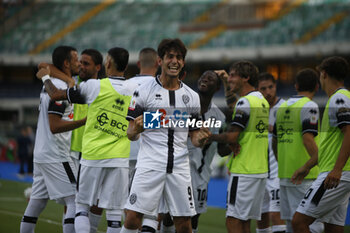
x=339, y=110
x=309, y=116
x=136, y=107
x=242, y=112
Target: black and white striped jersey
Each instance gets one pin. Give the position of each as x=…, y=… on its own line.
x=164, y=149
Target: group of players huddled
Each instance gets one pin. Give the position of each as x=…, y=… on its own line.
x=93, y=151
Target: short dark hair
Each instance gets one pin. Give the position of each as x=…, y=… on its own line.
x=95, y=55
x=307, y=80
x=246, y=69
x=147, y=57
x=166, y=45
x=120, y=57
x=335, y=67
x=60, y=54
x=265, y=76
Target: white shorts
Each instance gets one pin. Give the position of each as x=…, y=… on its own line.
x=328, y=205
x=271, y=201
x=291, y=196
x=53, y=180
x=244, y=197
x=75, y=163
x=109, y=185
x=200, y=191
x=149, y=186
x=132, y=170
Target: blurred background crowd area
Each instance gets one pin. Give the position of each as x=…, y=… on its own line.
x=279, y=36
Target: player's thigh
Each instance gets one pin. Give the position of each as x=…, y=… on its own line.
x=114, y=188
x=273, y=189
x=179, y=194
x=90, y=179
x=146, y=190
x=328, y=205
x=200, y=192
x=39, y=189
x=245, y=196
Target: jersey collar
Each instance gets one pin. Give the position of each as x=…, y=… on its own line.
x=117, y=78
x=158, y=81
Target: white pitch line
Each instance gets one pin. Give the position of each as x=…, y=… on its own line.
x=40, y=219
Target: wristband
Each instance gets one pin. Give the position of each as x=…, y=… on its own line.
x=46, y=77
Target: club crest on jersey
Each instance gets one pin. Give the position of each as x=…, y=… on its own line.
x=151, y=120
x=185, y=99
x=133, y=198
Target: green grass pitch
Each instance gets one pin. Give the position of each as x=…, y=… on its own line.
x=13, y=204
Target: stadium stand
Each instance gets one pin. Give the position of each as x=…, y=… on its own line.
x=77, y=24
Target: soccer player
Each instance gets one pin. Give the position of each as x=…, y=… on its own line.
x=90, y=65
x=201, y=158
x=248, y=138
x=148, y=65
x=163, y=165
x=53, y=174
x=295, y=131
x=271, y=204
x=106, y=148
x=327, y=198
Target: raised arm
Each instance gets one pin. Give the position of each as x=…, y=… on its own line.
x=54, y=93
x=57, y=73
x=230, y=96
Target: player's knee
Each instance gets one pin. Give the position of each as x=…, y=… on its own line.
x=297, y=222
x=133, y=219
x=183, y=224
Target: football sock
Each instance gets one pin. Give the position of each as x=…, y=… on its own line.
x=30, y=217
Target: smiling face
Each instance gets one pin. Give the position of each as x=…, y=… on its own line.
x=88, y=69
x=172, y=63
x=208, y=82
x=74, y=63
x=235, y=82
x=268, y=89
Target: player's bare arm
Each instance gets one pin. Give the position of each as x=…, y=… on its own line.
x=333, y=178
x=312, y=149
x=230, y=96
x=57, y=125
x=230, y=138
x=224, y=149
x=54, y=93
x=135, y=128
x=200, y=137
x=57, y=73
